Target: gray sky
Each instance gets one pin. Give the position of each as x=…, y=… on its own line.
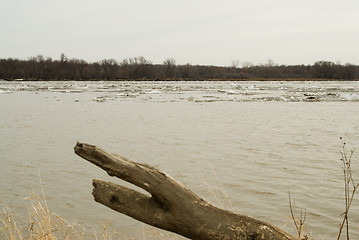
x=202, y=32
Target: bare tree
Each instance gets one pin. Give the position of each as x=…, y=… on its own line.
x=110, y=68
x=169, y=67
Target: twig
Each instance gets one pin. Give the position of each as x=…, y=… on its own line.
x=348, y=180
x=298, y=223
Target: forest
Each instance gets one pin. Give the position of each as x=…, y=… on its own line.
x=40, y=68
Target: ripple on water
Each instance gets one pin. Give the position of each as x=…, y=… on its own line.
x=249, y=151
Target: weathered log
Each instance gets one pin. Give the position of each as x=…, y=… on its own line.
x=169, y=205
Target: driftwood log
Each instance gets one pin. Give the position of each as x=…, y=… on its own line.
x=169, y=205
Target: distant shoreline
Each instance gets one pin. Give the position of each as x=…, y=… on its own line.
x=190, y=80
x=141, y=69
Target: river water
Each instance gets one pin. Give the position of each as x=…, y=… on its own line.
x=240, y=145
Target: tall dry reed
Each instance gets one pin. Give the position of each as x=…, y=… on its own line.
x=42, y=224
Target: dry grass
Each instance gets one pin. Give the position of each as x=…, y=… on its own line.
x=46, y=225
x=42, y=224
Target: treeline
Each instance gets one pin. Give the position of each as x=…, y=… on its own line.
x=139, y=68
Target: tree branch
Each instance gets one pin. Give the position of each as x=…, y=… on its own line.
x=170, y=205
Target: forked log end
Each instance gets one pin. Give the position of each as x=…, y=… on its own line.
x=169, y=205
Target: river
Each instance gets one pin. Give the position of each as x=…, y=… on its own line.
x=240, y=145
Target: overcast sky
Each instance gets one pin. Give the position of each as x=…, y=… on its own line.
x=202, y=32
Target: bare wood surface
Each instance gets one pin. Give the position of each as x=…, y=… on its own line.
x=169, y=205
